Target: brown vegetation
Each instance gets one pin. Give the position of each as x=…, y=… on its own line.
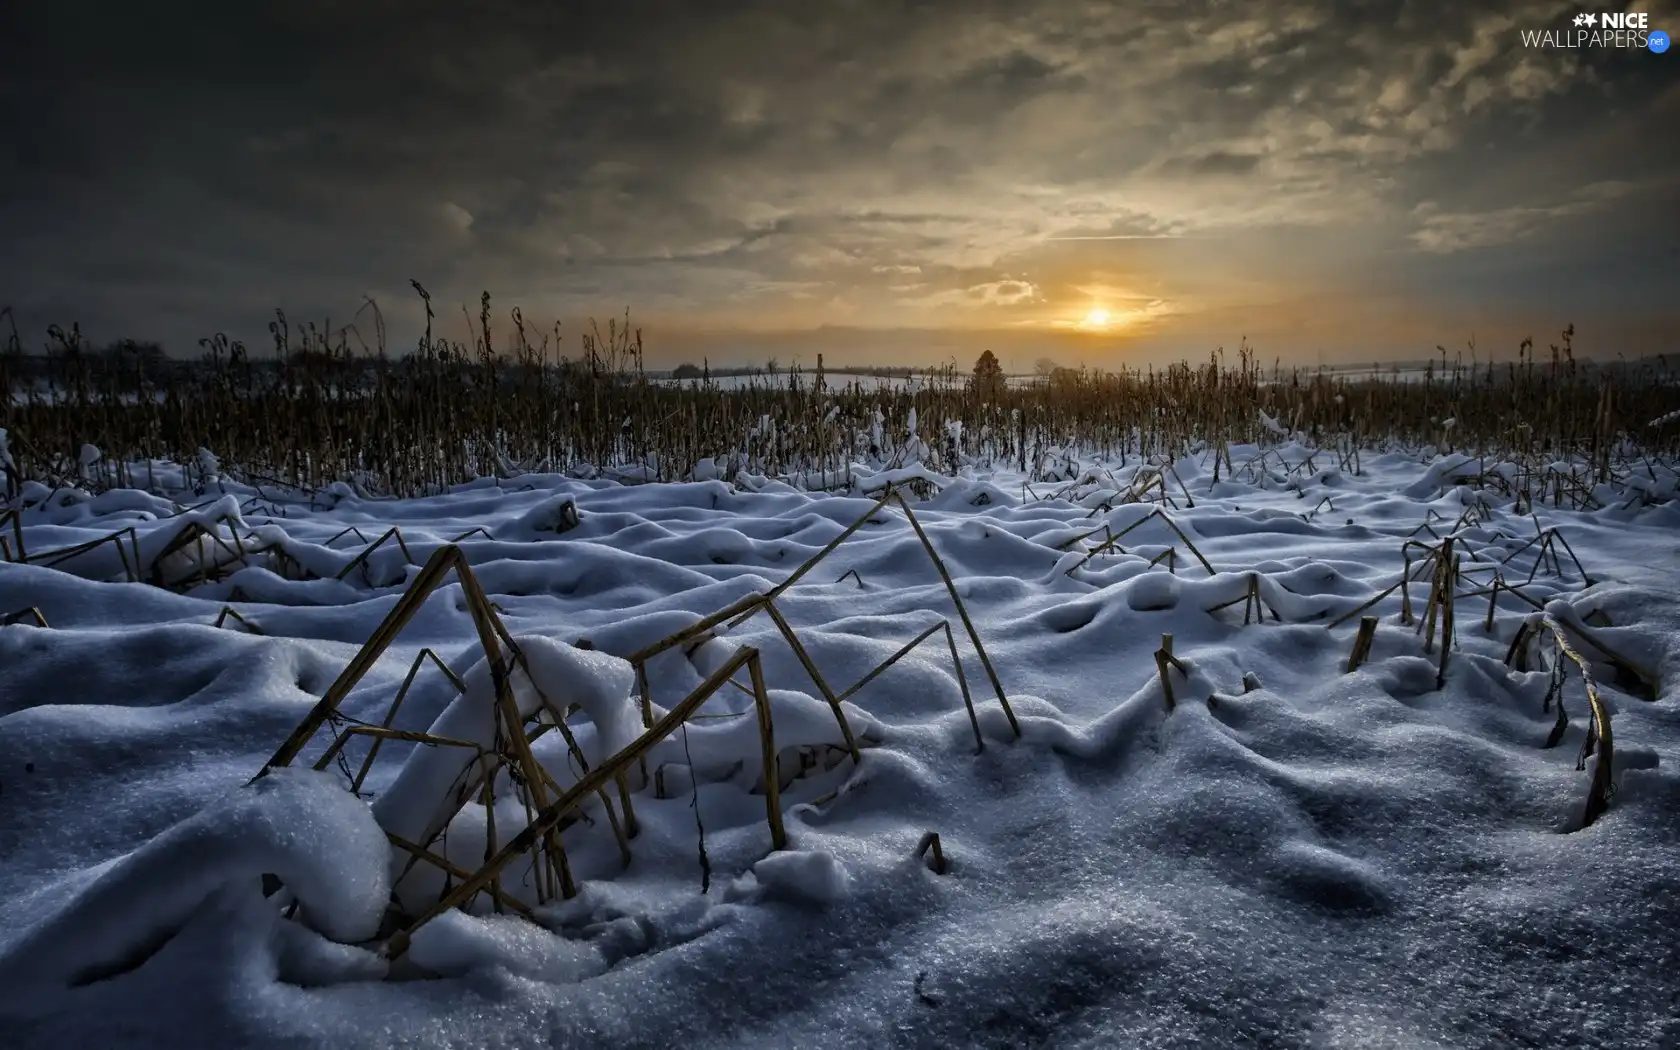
x=325, y=408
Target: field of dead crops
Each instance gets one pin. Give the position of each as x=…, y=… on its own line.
x=473, y=698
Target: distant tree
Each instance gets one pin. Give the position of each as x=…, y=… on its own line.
x=687, y=371
x=988, y=375
x=1045, y=367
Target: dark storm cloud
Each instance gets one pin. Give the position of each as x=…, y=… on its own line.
x=1218, y=162
x=183, y=167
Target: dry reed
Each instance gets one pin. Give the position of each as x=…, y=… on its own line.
x=327, y=407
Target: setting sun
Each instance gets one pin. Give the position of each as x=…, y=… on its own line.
x=1096, y=319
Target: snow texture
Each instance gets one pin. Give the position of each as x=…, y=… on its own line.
x=297, y=824
x=1294, y=856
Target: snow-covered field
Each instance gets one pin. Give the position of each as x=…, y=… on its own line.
x=1314, y=858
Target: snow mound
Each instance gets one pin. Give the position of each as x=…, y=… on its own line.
x=552, y=518
x=456, y=943
x=1153, y=592
x=300, y=825
x=802, y=877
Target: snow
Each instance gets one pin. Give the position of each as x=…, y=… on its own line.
x=805, y=877
x=1295, y=855
x=457, y=943
x=298, y=824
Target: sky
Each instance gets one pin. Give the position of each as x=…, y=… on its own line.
x=878, y=182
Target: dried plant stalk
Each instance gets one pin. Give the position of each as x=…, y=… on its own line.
x=15, y=550
x=962, y=613
x=1161, y=659
x=392, y=534
x=1602, y=785
x=767, y=736
x=930, y=844
x=1362, y=643
x=230, y=613
x=396, y=706
x=441, y=562
x=816, y=676
x=455, y=871
x=550, y=816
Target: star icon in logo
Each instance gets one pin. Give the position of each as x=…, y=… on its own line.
x=1580, y=20
x=1592, y=20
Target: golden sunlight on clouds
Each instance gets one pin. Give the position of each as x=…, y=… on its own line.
x=1103, y=311
x=885, y=183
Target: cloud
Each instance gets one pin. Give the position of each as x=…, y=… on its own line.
x=1004, y=293
x=1444, y=232
x=455, y=216
x=1215, y=162
x=761, y=163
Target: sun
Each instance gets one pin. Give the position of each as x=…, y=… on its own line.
x=1096, y=319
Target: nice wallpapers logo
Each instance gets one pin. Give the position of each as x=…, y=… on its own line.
x=1611, y=29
